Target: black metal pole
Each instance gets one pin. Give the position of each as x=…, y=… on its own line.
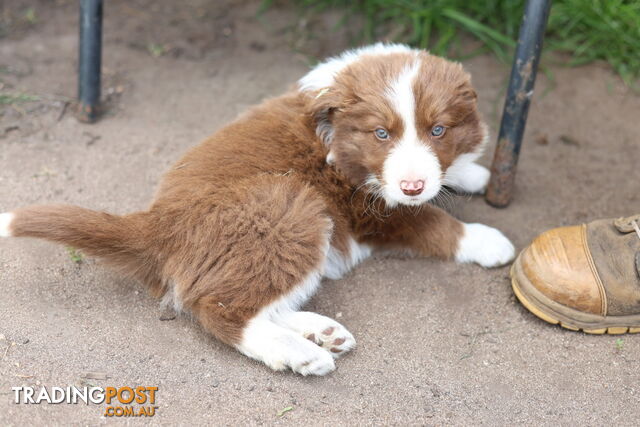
x=516, y=107
x=90, y=53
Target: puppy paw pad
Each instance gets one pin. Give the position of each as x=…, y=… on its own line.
x=339, y=341
x=328, y=331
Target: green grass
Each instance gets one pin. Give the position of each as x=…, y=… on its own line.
x=30, y=16
x=587, y=30
x=598, y=29
x=7, y=99
x=156, y=50
x=75, y=255
x=285, y=410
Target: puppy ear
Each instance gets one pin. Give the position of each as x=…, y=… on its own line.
x=323, y=104
x=466, y=93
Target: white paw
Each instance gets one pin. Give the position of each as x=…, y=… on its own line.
x=336, y=339
x=5, y=222
x=475, y=179
x=468, y=176
x=321, y=330
x=308, y=359
x=280, y=348
x=485, y=246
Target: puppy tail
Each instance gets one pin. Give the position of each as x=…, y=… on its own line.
x=119, y=240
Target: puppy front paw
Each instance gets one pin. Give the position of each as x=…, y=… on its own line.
x=475, y=179
x=485, y=246
x=467, y=176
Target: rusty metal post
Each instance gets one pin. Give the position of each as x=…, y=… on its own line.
x=516, y=107
x=90, y=55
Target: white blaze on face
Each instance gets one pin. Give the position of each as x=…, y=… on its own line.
x=410, y=160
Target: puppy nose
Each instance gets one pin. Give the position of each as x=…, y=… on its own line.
x=412, y=188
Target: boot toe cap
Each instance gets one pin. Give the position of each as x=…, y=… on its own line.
x=558, y=264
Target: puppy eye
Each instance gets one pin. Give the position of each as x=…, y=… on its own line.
x=438, y=131
x=381, y=134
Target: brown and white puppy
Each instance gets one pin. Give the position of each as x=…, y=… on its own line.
x=301, y=187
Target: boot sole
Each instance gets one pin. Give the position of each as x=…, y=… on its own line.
x=557, y=314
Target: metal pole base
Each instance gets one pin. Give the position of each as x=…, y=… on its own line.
x=87, y=113
x=516, y=107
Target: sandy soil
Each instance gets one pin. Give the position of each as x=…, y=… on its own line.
x=438, y=343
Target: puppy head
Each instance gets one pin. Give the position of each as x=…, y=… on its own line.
x=395, y=119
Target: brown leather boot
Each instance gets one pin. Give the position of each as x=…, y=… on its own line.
x=584, y=277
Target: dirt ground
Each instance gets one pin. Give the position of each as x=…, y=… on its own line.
x=438, y=343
